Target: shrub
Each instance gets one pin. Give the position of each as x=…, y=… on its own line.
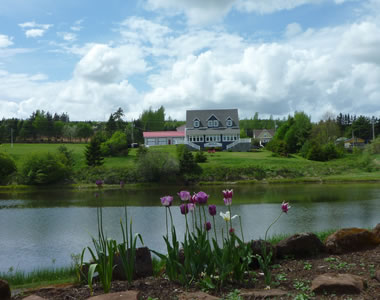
x=108, y=175
x=93, y=153
x=68, y=154
x=115, y=146
x=374, y=147
x=45, y=168
x=141, y=151
x=278, y=146
x=188, y=167
x=157, y=166
x=8, y=167
x=200, y=157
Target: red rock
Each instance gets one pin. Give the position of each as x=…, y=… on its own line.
x=128, y=295
x=300, y=245
x=376, y=231
x=5, y=291
x=262, y=294
x=196, y=296
x=350, y=240
x=340, y=284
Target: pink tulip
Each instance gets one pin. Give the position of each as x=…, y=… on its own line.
x=167, y=201
x=184, y=195
x=285, y=207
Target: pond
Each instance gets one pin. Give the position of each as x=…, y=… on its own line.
x=43, y=229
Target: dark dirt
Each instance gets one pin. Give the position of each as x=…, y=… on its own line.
x=293, y=276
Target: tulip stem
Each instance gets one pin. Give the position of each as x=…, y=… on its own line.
x=266, y=232
x=241, y=229
x=216, y=237
x=167, y=231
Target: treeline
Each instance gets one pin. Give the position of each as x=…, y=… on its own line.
x=320, y=141
x=44, y=126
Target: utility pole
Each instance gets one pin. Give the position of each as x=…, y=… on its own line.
x=11, y=137
x=132, y=132
x=373, y=127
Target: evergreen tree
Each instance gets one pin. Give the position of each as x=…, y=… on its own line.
x=93, y=154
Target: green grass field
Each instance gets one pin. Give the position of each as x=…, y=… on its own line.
x=343, y=169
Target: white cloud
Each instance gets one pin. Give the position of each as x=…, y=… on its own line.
x=77, y=26
x=5, y=41
x=36, y=30
x=292, y=30
x=67, y=36
x=104, y=64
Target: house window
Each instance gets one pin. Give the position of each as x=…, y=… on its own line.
x=216, y=123
x=196, y=123
x=150, y=142
x=229, y=123
x=210, y=123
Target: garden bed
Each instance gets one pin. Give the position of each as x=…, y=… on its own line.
x=292, y=276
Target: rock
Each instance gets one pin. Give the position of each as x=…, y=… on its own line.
x=256, y=247
x=143, y=265
x=300, y=245
x=196, y=296
x=377, y=275
x=376, y=231
x=351, y=239
x=5, y=291
x=339, y=284
x=34, y=297
x=128, y=295
x=262, y=294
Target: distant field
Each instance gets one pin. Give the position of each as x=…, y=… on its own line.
x=343, y=168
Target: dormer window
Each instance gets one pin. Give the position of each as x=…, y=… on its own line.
x=196, y=123
x=210, y=123
x=216, y=123
x=229, y=122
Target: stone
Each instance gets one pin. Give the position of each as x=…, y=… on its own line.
x=262, y=294
x=143, y=265
x=256, y=247
x=5, y=291
x=339, y=284
x=196, y=296
x=127, y=295
x=376, y=231
x=301, y=245
x=377, y=275
x=34, y=297
x=350, y=240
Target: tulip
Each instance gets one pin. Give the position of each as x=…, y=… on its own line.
x=285, y=207
x=184, y=209
x=190, y=206
x=207, y=226
x=99, y=182
x=202, y=197
x=212, y=210
x=122, y=183
x=167, y=201
x=228, y=193
x=184, y=195
x=194, y=199
x=232, y=231
x=227, y=216
x=227, y=201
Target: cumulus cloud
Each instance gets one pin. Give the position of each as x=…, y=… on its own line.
x=292, y=30
x=33, y=30
x=5, y=41
x=67, y=36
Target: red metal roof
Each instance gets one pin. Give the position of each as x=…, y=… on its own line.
x=153, y=134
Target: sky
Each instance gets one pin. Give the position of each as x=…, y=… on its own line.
x=89, y=57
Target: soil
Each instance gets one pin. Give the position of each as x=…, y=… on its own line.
x=293, y=276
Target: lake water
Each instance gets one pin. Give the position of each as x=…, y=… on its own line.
x=42, y=229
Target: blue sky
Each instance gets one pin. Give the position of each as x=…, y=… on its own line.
x=88, y=58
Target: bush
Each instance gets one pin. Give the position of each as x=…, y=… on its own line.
x=141, y=151
x=157, y=166
x=374, y=147
x=108, y=175
x=44, y=168
x=8, y=167
x=279, y=147
x=93, y=153
x=68, y=154
x=200, y=157
x=188, y=167
x=116, y=146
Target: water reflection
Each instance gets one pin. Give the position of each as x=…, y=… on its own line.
x=39, y=228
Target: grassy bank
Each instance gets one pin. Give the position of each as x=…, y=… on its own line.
x=242, y=167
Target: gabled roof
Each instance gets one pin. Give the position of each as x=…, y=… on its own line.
x=257, y=133
x=203, y=115
x=154, y=134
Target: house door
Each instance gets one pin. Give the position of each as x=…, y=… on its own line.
x=169, y=142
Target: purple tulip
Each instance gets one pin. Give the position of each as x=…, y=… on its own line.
x=99, y=182
x=184, y=209
x=227, y=201
x=228, y=194
x=190, y=206
x=202, y=197
x=212, y=210
x=167, y=201
x=232, y=231
x=285, y=207
x=184, y=195
x=194, y=199
x=207, y=226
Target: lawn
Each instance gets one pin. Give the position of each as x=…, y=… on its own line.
x=338, y=169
